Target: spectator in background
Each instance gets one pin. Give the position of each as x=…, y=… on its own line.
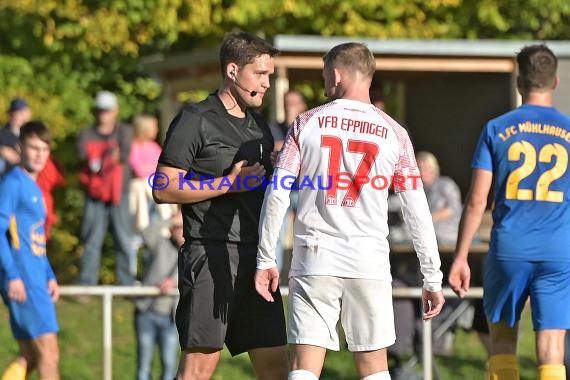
x=294, y=104
x=27, y=283
x=154, y=316
x=103, y=150
x=444, y=198
x=143, y=160
x=144, y=149
x=19, y=114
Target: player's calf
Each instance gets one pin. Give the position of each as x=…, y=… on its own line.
x=47, y=350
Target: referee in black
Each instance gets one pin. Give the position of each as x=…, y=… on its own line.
x=211, y=148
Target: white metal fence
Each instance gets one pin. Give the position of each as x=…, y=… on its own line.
x=108, y=292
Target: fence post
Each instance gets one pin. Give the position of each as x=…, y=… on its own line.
x=427, y=357
x=107, y=335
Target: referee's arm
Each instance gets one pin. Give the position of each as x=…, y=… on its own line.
x=170, y=186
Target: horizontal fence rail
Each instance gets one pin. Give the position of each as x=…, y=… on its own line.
x=108, y=292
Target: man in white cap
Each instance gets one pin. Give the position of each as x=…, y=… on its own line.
x=103, y=150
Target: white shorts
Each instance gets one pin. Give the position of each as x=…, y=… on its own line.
x=364, y=307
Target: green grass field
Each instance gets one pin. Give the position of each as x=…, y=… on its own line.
x=81, y=349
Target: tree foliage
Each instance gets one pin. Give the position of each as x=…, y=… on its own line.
x=62, y=47
x=58, y=53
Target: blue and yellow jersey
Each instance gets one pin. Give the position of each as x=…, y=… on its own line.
x=527, y=150
x=22, y=234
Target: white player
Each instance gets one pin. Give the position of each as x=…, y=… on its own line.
x=342, y=154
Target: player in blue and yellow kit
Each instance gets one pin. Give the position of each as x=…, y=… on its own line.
x=27, y=282
x=525, y=153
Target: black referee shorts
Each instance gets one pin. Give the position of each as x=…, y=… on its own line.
x=218, y=302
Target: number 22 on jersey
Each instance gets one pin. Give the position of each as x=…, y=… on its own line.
x=546, y=154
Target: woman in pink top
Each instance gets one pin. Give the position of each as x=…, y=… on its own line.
x=144, y=149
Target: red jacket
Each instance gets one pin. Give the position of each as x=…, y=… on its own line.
x=48, y=179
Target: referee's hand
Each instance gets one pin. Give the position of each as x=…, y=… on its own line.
x=266, y=282
x=246, y=177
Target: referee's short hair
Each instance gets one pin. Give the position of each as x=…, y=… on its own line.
x=242, y=48
x=537, y=68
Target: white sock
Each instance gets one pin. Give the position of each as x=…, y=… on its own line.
x=302, y=374
x=384, y=375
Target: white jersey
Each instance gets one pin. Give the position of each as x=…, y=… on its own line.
x=346, y=155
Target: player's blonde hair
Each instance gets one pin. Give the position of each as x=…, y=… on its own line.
x=353, y=56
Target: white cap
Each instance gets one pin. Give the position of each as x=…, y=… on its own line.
x=106, y=100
